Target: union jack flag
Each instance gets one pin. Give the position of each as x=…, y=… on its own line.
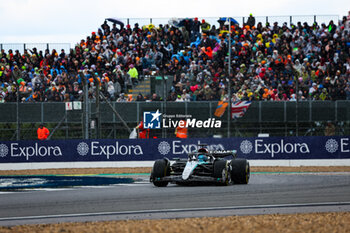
x=239, y=108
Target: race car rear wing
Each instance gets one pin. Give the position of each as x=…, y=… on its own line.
x=224, y=153
x=217, y=154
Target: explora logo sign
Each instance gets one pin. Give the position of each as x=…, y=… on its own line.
x=15, y=150
x=96, y=149
x=3, y=150
x=333, y=146
x=260, y=147
x=177, y=147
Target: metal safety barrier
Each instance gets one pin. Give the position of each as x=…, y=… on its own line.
x=259, y=111
x=39, y=46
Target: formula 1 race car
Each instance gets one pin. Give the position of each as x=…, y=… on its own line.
x=203, y=167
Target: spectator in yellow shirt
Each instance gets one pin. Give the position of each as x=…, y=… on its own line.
x=134, y=75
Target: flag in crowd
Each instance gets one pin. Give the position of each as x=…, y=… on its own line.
x=220, y=109
x=239, y=108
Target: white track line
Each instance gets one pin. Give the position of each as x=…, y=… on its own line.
x=176, y=210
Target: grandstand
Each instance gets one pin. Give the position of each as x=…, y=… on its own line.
x=273, y=59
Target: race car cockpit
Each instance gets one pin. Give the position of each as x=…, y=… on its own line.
x=203, y=155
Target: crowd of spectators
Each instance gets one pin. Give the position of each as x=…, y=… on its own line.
x=268, y=62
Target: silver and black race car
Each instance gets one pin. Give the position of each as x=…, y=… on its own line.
x=202, y=166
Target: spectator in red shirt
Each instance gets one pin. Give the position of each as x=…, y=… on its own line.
x=143, y=133
x=43, y=132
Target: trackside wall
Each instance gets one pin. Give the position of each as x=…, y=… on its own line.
x=272, y=151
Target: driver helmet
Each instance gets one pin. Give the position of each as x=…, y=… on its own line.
x=202, y=158
x=203, y=150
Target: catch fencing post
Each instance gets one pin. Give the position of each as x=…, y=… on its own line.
x=86, y=109
x=260, y=112
x=42, y=112
x=17, y=113
x=310, y=110
x=296, y=107
x=97, y=105
x=163, y=104
x=285, y=111
x=229, y=81
x=336, y=111
x=260, y=116
x=86, y=106
x=67, y=133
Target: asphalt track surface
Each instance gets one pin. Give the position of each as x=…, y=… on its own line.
x=265, y=194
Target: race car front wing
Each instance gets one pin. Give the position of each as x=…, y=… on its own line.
x=191, y=179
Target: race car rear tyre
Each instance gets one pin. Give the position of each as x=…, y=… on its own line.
x=221, y=171
x=160, y=169
x=240, y=171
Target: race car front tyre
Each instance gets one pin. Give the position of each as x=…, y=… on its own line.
x=240, y=171
x=160, y=169
x=221, y=172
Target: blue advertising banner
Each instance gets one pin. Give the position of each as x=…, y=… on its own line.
x=272, y=148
